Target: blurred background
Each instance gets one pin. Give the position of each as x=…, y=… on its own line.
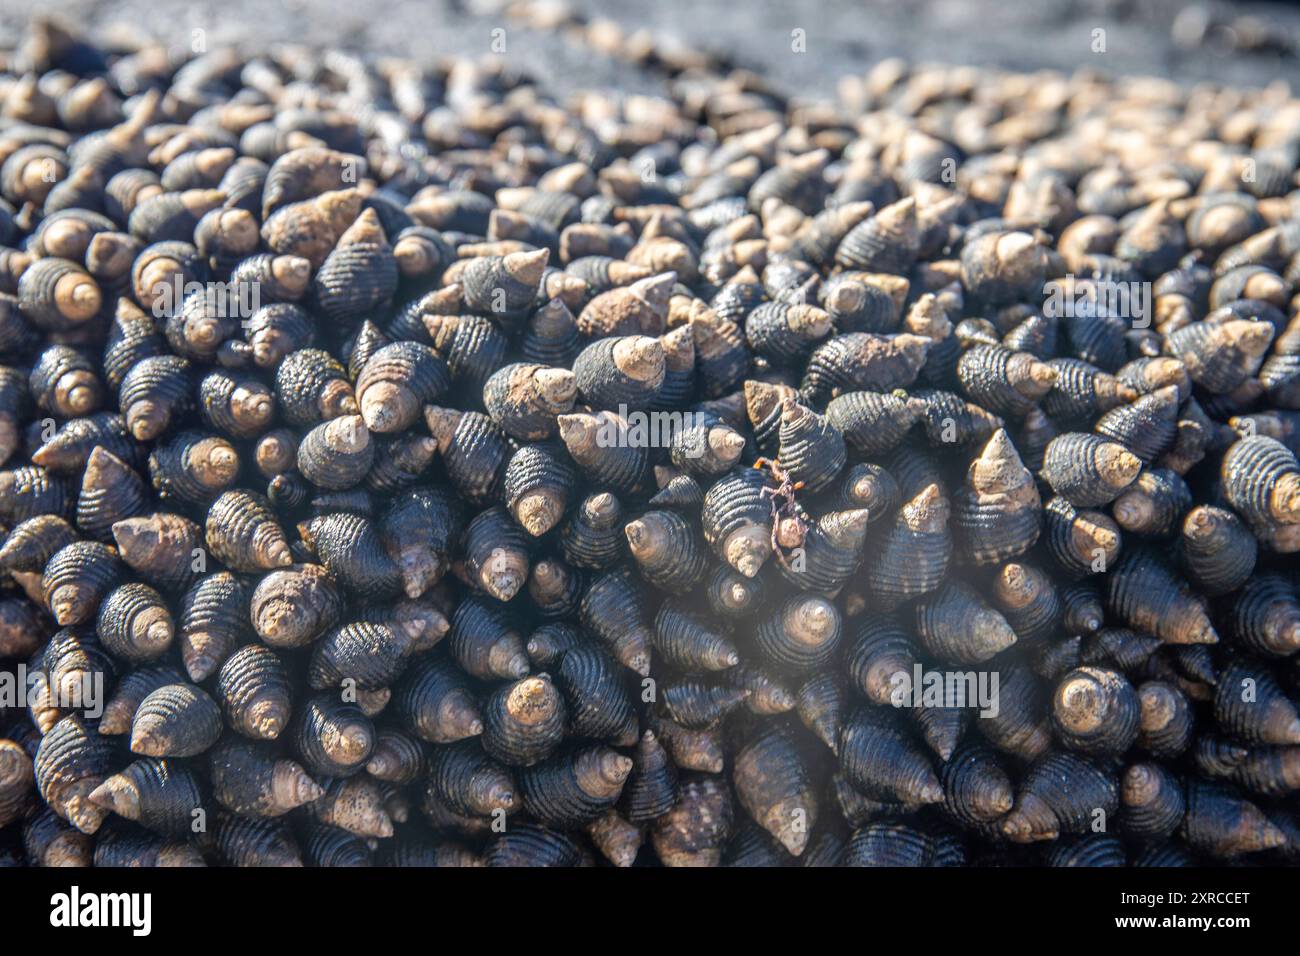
x=1250, y=44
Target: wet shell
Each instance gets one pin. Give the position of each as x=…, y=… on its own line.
x=1153, y=504
x=1145, y=591
x=119, y=845
x=1266, y=616
x=576, y=788
x=668, y=550
x=504, y=286
x=399, y=463
x=1261, y=481
x=879, y=760
x=473, y=346
x=58, y=296
x=198, y=329
x=613, y=608
x=912, y=557
x=77, y=578
x=1222, y=825
x=1082, y=393
x=691, y=641
x=887, y=242
x=1060, y=794
x=242, y=841
x=361, y=655
x=213, y=620
x=956, y=625
x=551, y=337
x=1147, y=427
x=997, y=513
x=473, y=449
x=811, y=450
x=598, y=702
x=705, y=446
x=1219, y=356
x=193, y=467
x=496, y=554
x=1021, y=726
x=801, y=635
x=1166, y=725
x=872, y=422
x=898, y=845
x=1004, y=382
x=69, y=448
x=485, y=640
x=738, y=519
x=134, y=623
x=396, y=381
x=354, y=805
x=359, y=274
x=1249, y=704
x=350, y=547
x=398, y=758
x=332, y=738
x=72, y=761
x=1029, y=600
x=1081, y=542
x=1087, y=470
x=63, y=382
x=281, y=329
x=337, y=454
x=292, y=606
x=611, y=451
x=951, y=420
x=534, y=846
x=110, y=492
x=693, y=832
x=177, y=720
x=976, y=788
x=869, y=487
x=240, y=406
x=524, y=399
x=524, y=722
x=172, y=216
x=1096, y=711
x=253, y=690
x=784, y=333
x=160, y=795
x=243, y=534
x=434, y=701
x=155, y=394
x=862, y=361
x=310, y=386
x=775, y=789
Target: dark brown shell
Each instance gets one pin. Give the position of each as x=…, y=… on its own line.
x=253, y=690
x=243, y=533
x=332, y=738
x=177, y=720
x=775, y=788
x=213, y=620
x=134, y=623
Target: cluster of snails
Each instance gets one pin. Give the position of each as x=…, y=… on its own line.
x=399, y=467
